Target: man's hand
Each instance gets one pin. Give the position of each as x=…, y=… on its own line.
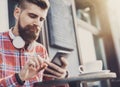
x=57, y=71
x=32, y=67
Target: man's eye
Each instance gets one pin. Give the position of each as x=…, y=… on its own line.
x=41, y=19
x=32, y=16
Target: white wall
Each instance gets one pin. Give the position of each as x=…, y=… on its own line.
x=86, y=44
x=114, y=15
x=4, y=15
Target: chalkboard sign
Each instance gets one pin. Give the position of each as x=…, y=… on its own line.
x=60, y=25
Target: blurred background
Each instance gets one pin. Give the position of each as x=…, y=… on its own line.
x=89, y=29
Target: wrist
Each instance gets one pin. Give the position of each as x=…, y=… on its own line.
x=19, y=80
x=21, y=77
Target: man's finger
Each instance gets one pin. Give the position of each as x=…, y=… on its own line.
x=43, y=66
x=64, y=62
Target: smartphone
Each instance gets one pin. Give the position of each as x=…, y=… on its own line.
x=57, y=58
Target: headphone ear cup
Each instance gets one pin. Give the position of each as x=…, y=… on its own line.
x=18, y=42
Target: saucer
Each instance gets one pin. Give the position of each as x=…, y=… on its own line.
x=97, y=72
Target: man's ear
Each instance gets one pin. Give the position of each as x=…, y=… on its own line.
x=17, y=12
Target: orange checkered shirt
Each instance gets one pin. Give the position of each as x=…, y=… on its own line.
x=12, y=60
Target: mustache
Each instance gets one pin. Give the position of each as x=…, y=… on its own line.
x=29, y=32
x=31, y=28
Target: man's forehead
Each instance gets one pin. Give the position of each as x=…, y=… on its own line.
x=36, y=10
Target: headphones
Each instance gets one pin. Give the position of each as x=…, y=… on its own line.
x=18, y=42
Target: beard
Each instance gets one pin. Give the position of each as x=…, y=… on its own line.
x=29, y=33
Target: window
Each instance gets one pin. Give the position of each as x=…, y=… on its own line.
x=90, y=43
x=3, y=16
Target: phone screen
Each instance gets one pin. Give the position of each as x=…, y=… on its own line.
x=57, y=58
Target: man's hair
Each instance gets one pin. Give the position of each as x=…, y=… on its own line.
x=41, y=3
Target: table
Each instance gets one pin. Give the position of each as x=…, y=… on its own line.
x=81, y=78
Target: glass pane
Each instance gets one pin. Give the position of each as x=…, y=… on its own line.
x=3, y=16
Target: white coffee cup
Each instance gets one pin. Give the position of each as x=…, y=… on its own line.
x=93, y=66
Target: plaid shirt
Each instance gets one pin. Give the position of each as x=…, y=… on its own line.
x=12, y=60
